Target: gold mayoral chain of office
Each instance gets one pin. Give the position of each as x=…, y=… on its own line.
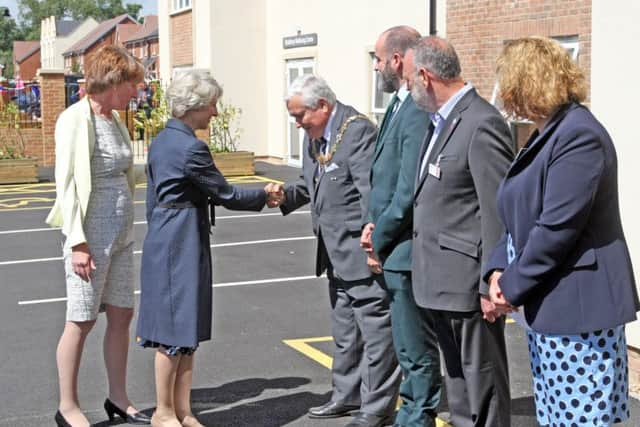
x=323, y=158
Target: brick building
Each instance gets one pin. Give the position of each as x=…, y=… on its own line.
x=58, y=35
x=26, y=59
x=110, y=32
x=479, y=30
x=144, y=45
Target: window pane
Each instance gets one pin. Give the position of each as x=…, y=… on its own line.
x=294, y=141
x=293, y=74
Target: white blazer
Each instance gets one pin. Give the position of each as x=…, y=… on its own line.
x=75, y=139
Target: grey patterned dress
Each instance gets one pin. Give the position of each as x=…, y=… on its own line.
x=108, y=226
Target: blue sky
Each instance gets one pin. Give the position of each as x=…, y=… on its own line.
x=149, y=7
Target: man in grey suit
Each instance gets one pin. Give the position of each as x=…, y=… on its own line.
x=387, y=236
x=463, y=159
x=337, y=152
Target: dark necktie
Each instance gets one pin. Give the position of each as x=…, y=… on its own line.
x=320, y=148
x=321, y=145
x=388, y=114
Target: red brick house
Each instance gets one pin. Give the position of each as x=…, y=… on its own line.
x=144, y=45
x=26, y=59
x=110, y=32
x=479, y=30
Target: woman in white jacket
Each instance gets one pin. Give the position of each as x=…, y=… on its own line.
x=94, y=206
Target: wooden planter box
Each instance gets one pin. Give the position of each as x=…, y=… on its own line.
x=19, y=171
x=238, y=163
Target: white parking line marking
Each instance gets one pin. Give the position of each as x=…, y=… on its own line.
x=218, y=245
x=37, y=230
x=215, y=285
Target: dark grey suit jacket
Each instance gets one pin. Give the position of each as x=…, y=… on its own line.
x=339, y=197
x=455, y=223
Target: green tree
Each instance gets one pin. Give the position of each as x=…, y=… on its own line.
x=9, y=32
x=32, y=12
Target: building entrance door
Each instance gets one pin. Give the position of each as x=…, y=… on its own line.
x=295, y=136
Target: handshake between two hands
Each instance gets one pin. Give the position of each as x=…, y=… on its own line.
x=275, y=194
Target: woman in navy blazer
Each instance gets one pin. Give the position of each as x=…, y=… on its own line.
x=175, y=302
x=563, y=256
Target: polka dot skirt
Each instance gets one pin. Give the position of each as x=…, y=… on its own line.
x=580, y=380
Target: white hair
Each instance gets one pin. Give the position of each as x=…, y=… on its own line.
x=191, y=90
x=311, y=88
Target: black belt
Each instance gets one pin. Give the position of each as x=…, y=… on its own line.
x=190, y=205
x=177, y=205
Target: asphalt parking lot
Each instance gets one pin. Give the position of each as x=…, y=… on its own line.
x=268, y=361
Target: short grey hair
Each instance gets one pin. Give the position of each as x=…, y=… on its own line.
x=311, y=88
x=190, y=90
x=438, y=56
x=399, y=39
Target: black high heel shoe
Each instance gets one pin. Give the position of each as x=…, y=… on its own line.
x=61, y=421
x=111, y=409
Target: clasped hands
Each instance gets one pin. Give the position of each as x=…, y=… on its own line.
x=495, y=305
x=275, y=194
x=366, y=243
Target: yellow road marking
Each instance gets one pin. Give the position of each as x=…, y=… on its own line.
x=302, y=345
x=22, y=201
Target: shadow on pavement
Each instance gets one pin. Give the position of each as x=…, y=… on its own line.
x=243, y=389
x=270, y=412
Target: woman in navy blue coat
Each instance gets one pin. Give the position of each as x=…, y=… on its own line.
x=176, y=298
x=564, y=257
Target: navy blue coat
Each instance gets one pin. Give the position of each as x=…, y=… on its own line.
x=176, y=297
x=559, y=202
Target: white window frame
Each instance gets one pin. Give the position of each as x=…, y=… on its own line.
x=178, y=6
x=298, y=64
x=180, y=69
x=377, y=112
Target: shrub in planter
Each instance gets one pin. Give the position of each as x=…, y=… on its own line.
x=15, y=166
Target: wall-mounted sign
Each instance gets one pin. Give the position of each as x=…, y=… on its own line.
x=300, y=40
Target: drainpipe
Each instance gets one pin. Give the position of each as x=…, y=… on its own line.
x=432, y=18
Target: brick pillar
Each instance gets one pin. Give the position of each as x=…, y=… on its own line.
x=52, y=103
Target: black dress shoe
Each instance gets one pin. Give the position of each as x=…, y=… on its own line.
x=61, y=421
x=332, y=410
x=370, y=420
x=138, y=418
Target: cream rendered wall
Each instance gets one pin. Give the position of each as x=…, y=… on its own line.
x=242, y=45
x=238, y=60
x=347, y=31
x=203, y=33
x=47, y=38
x=163, y=40
x=614, y=97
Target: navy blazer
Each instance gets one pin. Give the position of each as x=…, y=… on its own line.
x=175, y=271
x=559, y=202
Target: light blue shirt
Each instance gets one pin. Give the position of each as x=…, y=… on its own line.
x=439, y=118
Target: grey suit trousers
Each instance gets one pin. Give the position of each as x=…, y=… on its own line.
x=365, y=371
x=477, y=376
